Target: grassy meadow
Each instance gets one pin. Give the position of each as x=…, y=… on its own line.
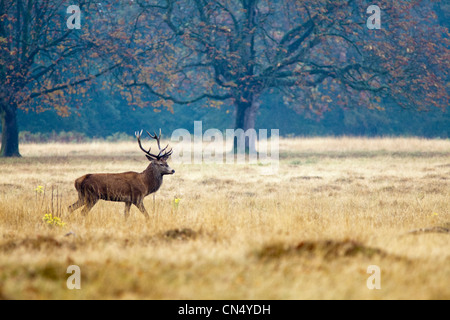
x=335, y=207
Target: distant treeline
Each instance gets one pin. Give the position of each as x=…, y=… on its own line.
x=115, y=120
x=68, y=137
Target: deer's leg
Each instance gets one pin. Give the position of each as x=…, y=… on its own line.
x=77, y=204
x=89, y=205
x=127, y=209
x=141, y=207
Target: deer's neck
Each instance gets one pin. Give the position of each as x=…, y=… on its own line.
x=152, y=178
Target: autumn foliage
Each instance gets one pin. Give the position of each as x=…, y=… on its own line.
x=313, y=55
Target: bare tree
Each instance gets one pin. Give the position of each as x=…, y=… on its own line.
x=44, y=64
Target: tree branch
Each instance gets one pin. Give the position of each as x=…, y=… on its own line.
x=179, y=101
x=72, y=84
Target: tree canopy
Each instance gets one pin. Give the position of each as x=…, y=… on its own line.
x=314, y=56
x=311, y=54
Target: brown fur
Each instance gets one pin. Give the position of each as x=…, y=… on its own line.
x=128, y=187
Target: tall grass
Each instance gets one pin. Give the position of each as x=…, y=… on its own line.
x=336, y=206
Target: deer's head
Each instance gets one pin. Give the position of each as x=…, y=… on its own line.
x=159, y=161
x=162, y=167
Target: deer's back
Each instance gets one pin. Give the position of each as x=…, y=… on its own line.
x=125, y=186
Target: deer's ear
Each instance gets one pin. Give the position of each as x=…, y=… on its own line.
x=149, y=158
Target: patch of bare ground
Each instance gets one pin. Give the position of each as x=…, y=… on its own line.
x=327, y=249
x=183, y=234
x=36, y=243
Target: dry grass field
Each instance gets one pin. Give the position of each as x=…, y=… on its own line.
x=336, y=206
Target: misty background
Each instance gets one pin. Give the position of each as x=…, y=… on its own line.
x=109, y=116
x=114, y=105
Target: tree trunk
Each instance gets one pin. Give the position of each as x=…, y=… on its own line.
x=246, y=110
x=10, y=133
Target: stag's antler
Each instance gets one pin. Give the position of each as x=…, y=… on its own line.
x=162, y=154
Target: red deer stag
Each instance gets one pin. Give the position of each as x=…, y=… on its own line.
x=128, y=187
